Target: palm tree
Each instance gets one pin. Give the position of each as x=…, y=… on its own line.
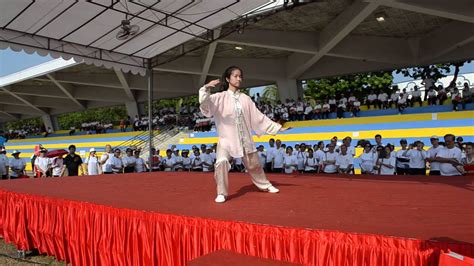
x=270, y=94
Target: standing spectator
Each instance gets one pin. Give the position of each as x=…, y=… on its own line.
x=378, y=142
x=368, y=159
x=403, y=162
x=116, y=163
x=449, y=157
x=344, y=161
x=155, y=160
x=329, y=163
x=43, y=164
x=416, y=97
x=431, y=95
x=17, y=165
x=92, y=163
x=72, y=161
x=58, y=166
x=262, y=155
x=197, y=161
x=320, y=154
x=386, y=163
x=468, y=162
x=168, y=162
x=382, y=100
x=371, y=99
x=4, y=163
x=178, y=161
x=459, y=143
x=290, y=162
x=301, y=158
x=429, y=82
x=106, y=159
x=311, y=163
x=140, y=165
x=350, y=149
x=417, y=157
x=279, y=156
x=432, y=154
x=186, y=160
x=207, y=161
x=270, y=155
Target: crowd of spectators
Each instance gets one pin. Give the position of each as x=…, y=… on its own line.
x=448, y=157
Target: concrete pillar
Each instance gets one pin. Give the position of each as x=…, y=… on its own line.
x=132, y=109
x=141, y=108
x=48, y=122
x=287, y=89
x=54, y=120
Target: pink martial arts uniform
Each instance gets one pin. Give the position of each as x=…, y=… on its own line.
x=235, y=115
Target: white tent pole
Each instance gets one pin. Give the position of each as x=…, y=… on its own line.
x=150, y=115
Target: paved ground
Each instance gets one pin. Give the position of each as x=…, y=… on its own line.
x=9, y=256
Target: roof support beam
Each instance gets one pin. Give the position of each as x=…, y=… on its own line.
x=23, y=100
x=330, y=36
x=440, y=8
x=66, y=89
x=123, y=80
x=16, y=117
x=211, y=49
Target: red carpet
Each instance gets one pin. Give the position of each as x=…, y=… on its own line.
x=170, y=218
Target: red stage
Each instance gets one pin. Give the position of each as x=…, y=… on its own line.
x=171, y=218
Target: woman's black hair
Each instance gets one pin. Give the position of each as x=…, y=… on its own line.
x=226, y=75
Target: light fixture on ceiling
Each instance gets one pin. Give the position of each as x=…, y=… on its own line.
x=380, y=17
x=239, y=48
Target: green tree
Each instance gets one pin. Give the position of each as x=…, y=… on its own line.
x=359, y=84
x=436, y=71
x=270, y=94
x=105, y=115
x=35, y=122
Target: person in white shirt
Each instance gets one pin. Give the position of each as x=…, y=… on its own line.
x=450, y=157
x=58, y=166
x=106, y=160
x=270, y=154
x=93, y=164
x=355, y=108
x=290, y=162
x=386, y=162
x=186, y=160
x=178, y=160
x=456, y=98
x=332, y=104
x=17, y=165
x=207, y=161
x=320, y=154
x=402, y=101
x=341, y=108
x=417, y=157
x=325, y=111
x=168, y=162
x=329, y=162
x=382, y=100
x=368, y=159
x=311, y=163
x=129, y=161
x=262, y=156
x=317, y=110
x=197, y=161
x=431, y=95
x=350, y=149
x=308, y=112
x=301, y=158
x=344, y=161
x=300, y=109
x=428, y=82
x=432, y=154
x=140, y=165
x=416, y=97
x=4, y=164
x=277, y=164
x=116, y=163
x=394, y=97
x=371, y=99
x=43, y=164
x=402, y=164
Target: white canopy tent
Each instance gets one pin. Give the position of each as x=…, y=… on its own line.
x=124, y=35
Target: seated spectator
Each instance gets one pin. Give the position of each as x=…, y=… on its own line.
x=332, y=104
x=416, y=97
x=386, y=162
x=317, y=112
x=442, y=95
x=325, y=111
x=300, y=109
x=350, y=101
x=394, y=97
x=432, y=98
x=402, y=102
x=341, y=108
x=456, y=98
x=308, y=112
x=371, y=99
x=356, y=108
x=382, y=100
x=467, y=93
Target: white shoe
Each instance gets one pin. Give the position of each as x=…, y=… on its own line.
x=220, y=199
x=272, y=189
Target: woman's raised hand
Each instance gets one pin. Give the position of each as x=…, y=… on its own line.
x=212, y=84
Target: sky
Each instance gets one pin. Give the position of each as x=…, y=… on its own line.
x=11, y=62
